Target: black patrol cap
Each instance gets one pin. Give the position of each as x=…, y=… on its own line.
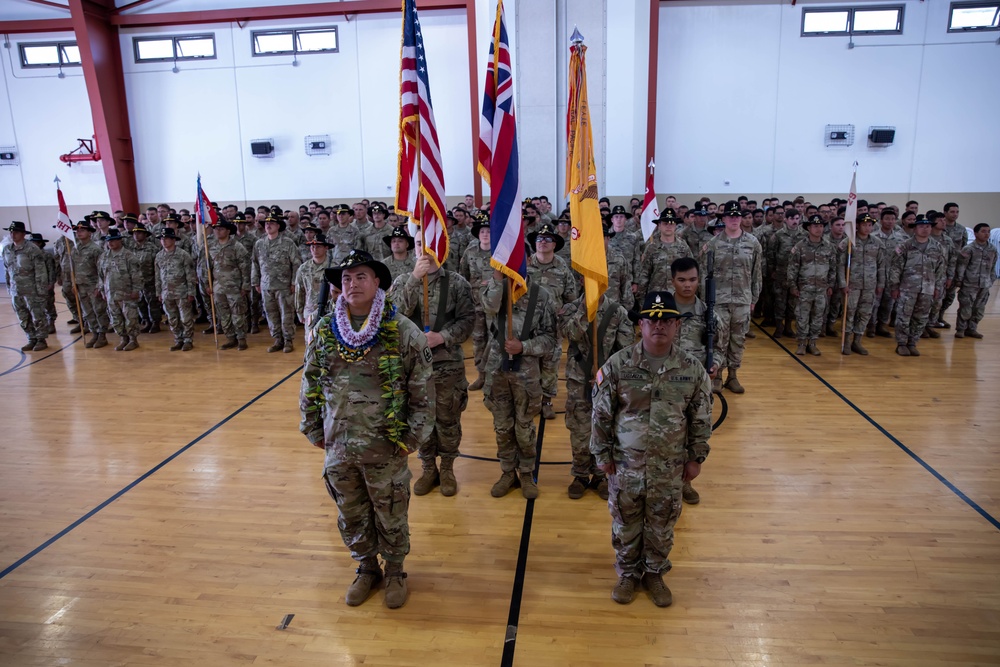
x=619, y=210
x=660, y=305
x=360, y=258
x=731, y=209
x=400, y=233
x=549, y=231
x=921, y=221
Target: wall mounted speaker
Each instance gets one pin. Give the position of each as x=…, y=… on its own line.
x=881, y=136
x=8, y=156
x=839, y=135
x=262, y=147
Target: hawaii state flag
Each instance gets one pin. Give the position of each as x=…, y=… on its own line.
x=204, y=212
x=650, y=210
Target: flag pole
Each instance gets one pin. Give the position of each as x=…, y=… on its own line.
x=510, y=313
x=211, y=289
x=847, y=293
x=76, y=290
x=423, y=243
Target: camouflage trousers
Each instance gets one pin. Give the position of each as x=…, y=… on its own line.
x=834, y=307
x=860, y=305
x=373, y=500
x=180, y=319
x=480, y=340
x=70, y=298
x=515, y=399
x=885, y=307
x=231, y=313
x=550, y=370
x=50, y=306
x=30, y=312
x=643, y=516
x=734, y=322
x=810, y=313
x=149, y=305
x=124, y=315
x=971, y=307
x=256, y=306
x=948, y=297
x=451, y=391
x=912, y=313
x=579, y=424
x=95, y=310
x=279, y=304
x=765, y=305
x=784, y=302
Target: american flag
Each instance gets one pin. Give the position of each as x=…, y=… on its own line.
x=204, y=212
x=420, y=182
x=498, y=161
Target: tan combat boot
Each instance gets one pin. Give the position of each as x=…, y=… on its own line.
x=931, y=333
x=856, y=346
x=102, y=341
x=733, y=382
x=779, y=329
x=187, y=346
x=657, y=589
x=882, y=330
x=914, y=352
x=121, y=344
x=602, y=486
x=801, y=349
x=230, y=343
x=369, y=574
x=973, y=333
x=395, y=585
x=846, y=349
x=902, y=350
x=528, y=487
x=40, y=345
x=178, y=344
x=790, y=329
x=242, y=345
x=29, y=346
x=547, y=411
x=690, y=496
x=277, y=345
x=90, y=342
x=77, y=329
x=507, y=481
x=478, y=384
x=449, y=485
x=812, y=349
x=133, y=342
x=289, y=347
x=155, y=328
x=624, y=590
x=578, y=487
x=428, y=480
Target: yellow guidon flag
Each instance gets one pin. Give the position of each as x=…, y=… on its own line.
x=587, y=236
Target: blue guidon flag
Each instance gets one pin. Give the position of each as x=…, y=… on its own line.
x=498, y=162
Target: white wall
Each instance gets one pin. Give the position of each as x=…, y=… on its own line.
x=741, y=96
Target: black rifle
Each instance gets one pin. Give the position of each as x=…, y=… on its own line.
x=709, y=310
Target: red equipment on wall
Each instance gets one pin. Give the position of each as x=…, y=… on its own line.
x=87, y=151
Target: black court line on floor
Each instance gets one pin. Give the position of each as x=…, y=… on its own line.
x=52, y=540
x=926, y=466
x=15, y=350
x=50, y=354
x=513, y=616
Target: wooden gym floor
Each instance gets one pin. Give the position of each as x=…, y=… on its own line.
x=162, y=508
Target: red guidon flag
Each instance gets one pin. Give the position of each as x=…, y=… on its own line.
x=63, y=224
x=650, y=210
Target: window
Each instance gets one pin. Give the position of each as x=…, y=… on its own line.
x=974, y=16
x=881, y=20
x=49, y=54
x=186, y=47
x=291, y=42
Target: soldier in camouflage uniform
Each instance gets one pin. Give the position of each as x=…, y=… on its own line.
x=812, y=274
x=513, y=389
x=459, y=239
x=619, y=274
x=738, y=265
x=275, y=261
x=344, y=234
x=176, y=284
x=145, y=252
x=916, y=278
x=951, y=250
x=230, y=266
x=774, y=221
x=974, y=275
x=780, y=249
x=958, y=234
x=698, y=234
x=475, y=268
x=309, y=281
x=247, y=239
x=121, y=282
x=65, y=281
x=891, y=237
x=654, y=272
x=867, y=282
x=835, y=304
x=52, y=271
x=400, y=260
x=27, y=276
x=629, y=245
x=85, y=257
x=564, y=227
x=366, y=437
x=615, y=332
x=652, y=421
x=375, y=245
x=451, y=318
x=549, y=271
x=311, y=232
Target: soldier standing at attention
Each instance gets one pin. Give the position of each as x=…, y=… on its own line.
x=780, y=250
x=738, y=279
x=176, y=285
x=812, y=274
x=652, y=421
x=974, y=276
x=867, y=282
x=891, y=237
x=916, y=278
x=551, y=272
x=619, y=274
x=367, y=399
x=121, y=281
x=400, y=260
x=513, y=388
x=309, y=281
x=654, y=272
x=145, y=252
x=52, y=271
x=275, y=261
x=475, y=268
x=955, y=231
x=230, y=264
x=615, y=332
x=27, y=277
x=85, y=257
x=951, y=250
x=452, y=317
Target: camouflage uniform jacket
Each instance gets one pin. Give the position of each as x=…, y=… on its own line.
x=891, y=240
x=398, y=267
x=619, y=333
x=841, y=247
x=145, y=256
x=650, y=421
x=556, y=277
x=350, y=416
x=692, y=336
x=26, y=272
x=247, y=241
x=696, y=238
x=52, y=267
x=812, y=267
x=739, y=267
x=346, y=240
x=630, y=247
x=230, y=266
x=85, y=259
x=459, y=239
x=654, y=273
x=175, y=275
x=976, y=265
x=541, y=338
x=458, y=319
x=308, y=281
x=374, y=244
x=119, y=274
x=918, y=268
x=958, y=233
x=476, y=269
x=619, y=280
x=781, y=250
x=868, y=264
x=950, y=254
x=274, y=264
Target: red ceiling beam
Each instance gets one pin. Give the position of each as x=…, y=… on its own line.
x=49, y=3
x=275, y=12
x=101, y=57
x=38, y=25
